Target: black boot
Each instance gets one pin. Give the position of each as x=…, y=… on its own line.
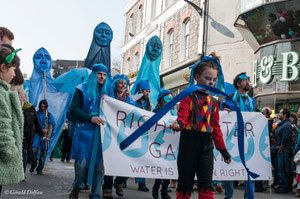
x=164, y=189
x=155, y=190
x=165, y=195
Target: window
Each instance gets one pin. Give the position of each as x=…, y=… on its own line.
x=153, y=10
x=169, y=3
x=186, y=38
x=136, y=62
x=170, y=50
x=130, y=26
x=139, y=19
x=127, y=66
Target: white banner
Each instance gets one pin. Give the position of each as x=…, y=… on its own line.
x=154, y=154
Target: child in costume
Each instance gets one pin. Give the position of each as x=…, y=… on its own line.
x=198, y=121
x=163, y=98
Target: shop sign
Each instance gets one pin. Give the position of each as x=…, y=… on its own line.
x=268, y=67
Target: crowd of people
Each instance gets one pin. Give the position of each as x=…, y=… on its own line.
x=25, y=132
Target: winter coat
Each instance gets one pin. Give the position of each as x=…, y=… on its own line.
x=31, y=125
x=297, y=156
x=11, y=135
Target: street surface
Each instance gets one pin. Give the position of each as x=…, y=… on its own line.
x=56, y=183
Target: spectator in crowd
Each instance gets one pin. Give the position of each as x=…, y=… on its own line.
x=6, y=36
x=284, y=144
x=11, y=125
x=67, y=143
x=297, y=161
x=31, y=123
x=294, y=122
x=274, y=151
x=48, y=124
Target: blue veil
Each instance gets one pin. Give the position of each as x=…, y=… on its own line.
x=57, y=102
x=149, y=69
x=99, y=52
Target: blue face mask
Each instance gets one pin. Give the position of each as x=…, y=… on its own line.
x=42, y=60
x=154, y=48
x=168, y=98
x=103, y=34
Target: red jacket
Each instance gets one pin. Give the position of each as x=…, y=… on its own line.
x=204, y=122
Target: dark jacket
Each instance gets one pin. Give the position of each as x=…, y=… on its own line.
x=31, y=125
x=284, y=134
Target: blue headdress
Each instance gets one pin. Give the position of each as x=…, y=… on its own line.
x=92, y=82
x=220, y=82
x=142, y=85
x=117, y=78
x=163, y=93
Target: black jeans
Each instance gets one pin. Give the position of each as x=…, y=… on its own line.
x=164, y=183
x=25, y=159
x=108, y=181
x=195, y=156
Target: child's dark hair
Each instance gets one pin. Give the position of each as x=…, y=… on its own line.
x=160, y=102
x=4, y=52
x=208, y=64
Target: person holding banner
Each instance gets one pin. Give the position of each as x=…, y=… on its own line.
x=198, y=121
x=144, y=103
x=119, y=86
x=163, y=98
x=242, y=84
x=86, y=145
x=48, y=124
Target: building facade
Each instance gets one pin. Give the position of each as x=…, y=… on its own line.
x=61, y=66
x=176, y=24
x=244, y=33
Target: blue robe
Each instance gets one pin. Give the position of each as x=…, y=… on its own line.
x=39, y=142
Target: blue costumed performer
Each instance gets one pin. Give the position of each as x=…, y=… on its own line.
x=149, y=69
x=99, y=52
x=86, y=146
x=41, y=88
x=48, y=124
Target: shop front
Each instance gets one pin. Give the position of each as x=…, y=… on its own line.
x=272, y=29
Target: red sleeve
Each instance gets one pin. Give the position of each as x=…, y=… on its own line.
x=184, y=112
x=217, y=133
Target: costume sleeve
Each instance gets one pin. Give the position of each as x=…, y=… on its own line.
x=37, y=124
x=76, y=106
x=183, y=112
x=217, y=133
x=8, y=146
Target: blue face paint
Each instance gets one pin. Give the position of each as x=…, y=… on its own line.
x=103, y=34
x=42, y=60
x=154, y=48
x=211, y=83
x=167, y=98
